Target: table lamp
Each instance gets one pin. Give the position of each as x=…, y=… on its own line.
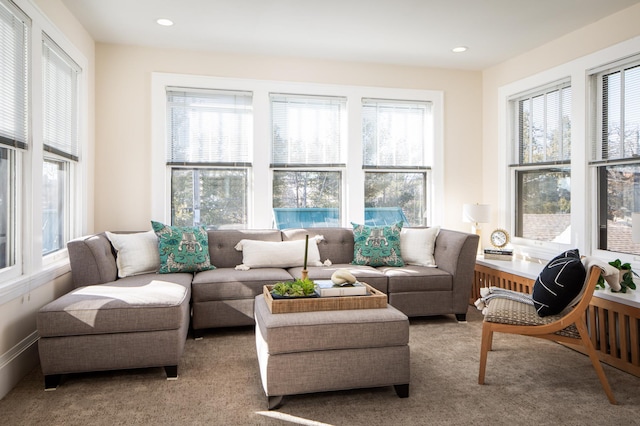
x=476, y=214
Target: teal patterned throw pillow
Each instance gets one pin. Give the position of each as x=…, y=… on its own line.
x=182, y=248
x=377, y=246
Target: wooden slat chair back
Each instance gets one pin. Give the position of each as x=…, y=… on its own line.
x=568, y=327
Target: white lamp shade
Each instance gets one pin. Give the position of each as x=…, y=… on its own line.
x=635, y=227
x=476, y=213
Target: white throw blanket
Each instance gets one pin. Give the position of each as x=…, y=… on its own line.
x=154, y=293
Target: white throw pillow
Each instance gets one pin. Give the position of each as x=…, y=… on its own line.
x=278, y=254
x=418, y=244
x=136, y=253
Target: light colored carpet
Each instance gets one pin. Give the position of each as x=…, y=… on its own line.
x=529, y=381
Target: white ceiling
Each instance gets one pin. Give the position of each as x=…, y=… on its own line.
x=406, y=32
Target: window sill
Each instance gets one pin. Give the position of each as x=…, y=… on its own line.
x=15, y=288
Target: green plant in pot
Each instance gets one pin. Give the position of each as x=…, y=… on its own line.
x=297, y=288
x=626, y=276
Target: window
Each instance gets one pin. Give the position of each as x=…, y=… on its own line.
x=60, y=144
x=210, y=133
x=542, y=169
x=616, y=154
x=14, y=119
x=42, y=127
x=395, y=138
x=307, y=159
x=295, y=159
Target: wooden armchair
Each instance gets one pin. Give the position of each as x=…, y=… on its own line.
x=569, y=327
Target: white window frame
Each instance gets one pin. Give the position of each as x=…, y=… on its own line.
x=594, y=82
x=237, y=161
x=425, y=166
x=36, y=270
x=517, y=167
x=260, y=198
x=583, y=178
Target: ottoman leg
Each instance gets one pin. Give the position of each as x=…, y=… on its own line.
x=274, y=402
x=402, y=390
x=172, y=372
x=51, y=381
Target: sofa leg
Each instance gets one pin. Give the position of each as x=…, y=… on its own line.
x=461, y=317
x=197, y=334
x=402, y=390
x=172, y=372
x=51, y=382
x=274, y=402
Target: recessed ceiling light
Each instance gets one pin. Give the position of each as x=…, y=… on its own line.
x=165, y=22
x=459, y=49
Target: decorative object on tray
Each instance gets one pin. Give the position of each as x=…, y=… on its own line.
x=327, y=288
x=305, y=273
x=343, y=276
x=498, y=254
x=297, y=288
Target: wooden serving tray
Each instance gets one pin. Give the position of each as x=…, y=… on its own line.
x=375, y=300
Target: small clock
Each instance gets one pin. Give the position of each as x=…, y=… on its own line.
x=499, y=238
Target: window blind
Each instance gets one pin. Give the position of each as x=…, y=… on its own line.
x=307, y=130
x=620, y=137
x=60, y=101
x=209, y=127
x=14, y=69
x=394, y=133
x=544, y=127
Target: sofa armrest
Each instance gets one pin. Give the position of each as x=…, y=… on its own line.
x=455, y=253
x=92, y=260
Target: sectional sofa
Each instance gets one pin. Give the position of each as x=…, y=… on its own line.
x=160, y=307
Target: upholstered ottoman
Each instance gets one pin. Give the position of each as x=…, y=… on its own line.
x=331, y=350
x=109, y=327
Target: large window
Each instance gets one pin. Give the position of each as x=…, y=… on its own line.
x=14, y=119
x=60, y=144
x=395, y=138
x=208, y=155
x=616, y=154
x=43, y=117
x=541, y=170
x=260, y=154
x=307, y=159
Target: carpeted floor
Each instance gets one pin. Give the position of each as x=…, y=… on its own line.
x=528, y=382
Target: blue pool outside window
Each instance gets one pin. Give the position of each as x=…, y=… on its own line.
x=330, y=217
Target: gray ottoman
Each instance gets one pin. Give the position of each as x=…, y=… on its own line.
x=135, y=323
x=331, y=350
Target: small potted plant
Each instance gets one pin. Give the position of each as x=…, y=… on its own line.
x=297, y=288
x=626, y=274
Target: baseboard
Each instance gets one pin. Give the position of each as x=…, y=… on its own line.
x=18, y=362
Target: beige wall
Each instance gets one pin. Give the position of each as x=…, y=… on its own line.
x=123, y=126
x=597, y=36
x=18, y=316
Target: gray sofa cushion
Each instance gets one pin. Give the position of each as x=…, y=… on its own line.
x=85, y=311
x=222, y=244
x=337, y=245
x=227, y=283
x=417, y=278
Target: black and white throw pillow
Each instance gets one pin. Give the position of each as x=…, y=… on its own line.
x=559, y=283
